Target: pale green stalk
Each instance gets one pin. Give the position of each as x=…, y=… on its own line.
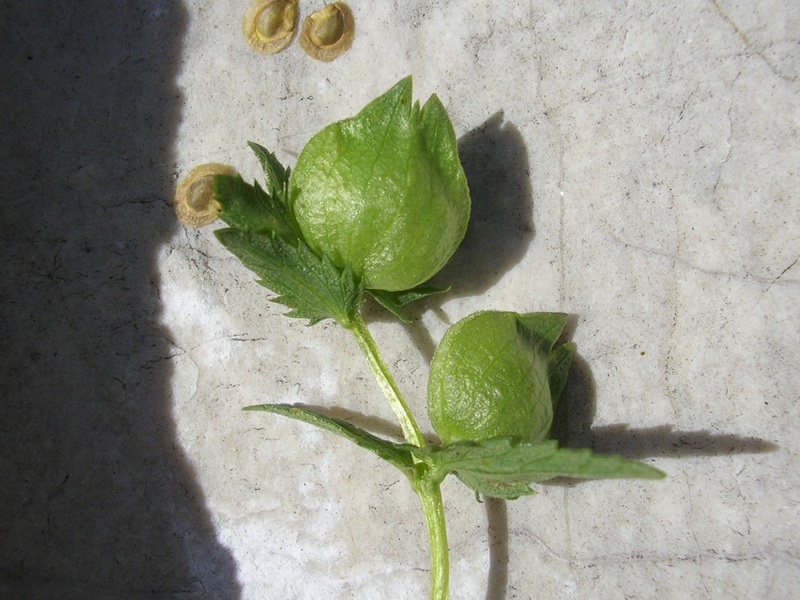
x=386, y=381
x=428, y=489
x=431, y=495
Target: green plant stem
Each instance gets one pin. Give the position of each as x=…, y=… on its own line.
x=432, y=505
x=385, y=380
x=427, y=488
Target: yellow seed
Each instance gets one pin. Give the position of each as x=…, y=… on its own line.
x=194, y=202
x=268, y=25
x=328, y=32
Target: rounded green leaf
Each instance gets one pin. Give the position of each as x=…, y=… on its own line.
x=384, y=191
x=489, y=378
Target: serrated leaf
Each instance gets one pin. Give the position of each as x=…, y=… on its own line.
x=310, y=286
x=394, y=301
x=249, y=208
x=396, y=454
x=506, y=460
x=277, y=175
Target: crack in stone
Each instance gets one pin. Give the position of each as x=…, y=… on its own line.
x=546, y=547
x=657, y=558
x=782, y=273
x=776, y=279
x=752, y=49
x=698, y=557
x=626, y=79
x=728, y=143
x=694, y=532
x=697, y=268
x=669, y=371
x=681, y=114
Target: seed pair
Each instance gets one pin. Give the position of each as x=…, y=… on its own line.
x=269, y=26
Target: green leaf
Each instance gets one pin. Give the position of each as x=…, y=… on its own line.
x=277, y=175
x=504, y=460
x=249, y=208
x=398, y=455
x=495, y=489
x=311, y=286
x=543, y=331
x=558, y=363
x=393, y=301
x=542, y=328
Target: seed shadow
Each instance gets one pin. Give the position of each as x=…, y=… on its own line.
x=98, y=499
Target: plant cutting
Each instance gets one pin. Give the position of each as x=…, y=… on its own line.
x=375, y=206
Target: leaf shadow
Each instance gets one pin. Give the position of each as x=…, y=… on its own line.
x=500, y=230
x=497, y=520
x=495, y=160
x=374, y=425
x=496, y=509
x=652, y=442
x=572, y=427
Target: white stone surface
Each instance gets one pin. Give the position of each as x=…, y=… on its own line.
x=636, y=165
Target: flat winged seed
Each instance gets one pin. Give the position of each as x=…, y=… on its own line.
x=194, y=200
x=328, y=33
x=268, y=25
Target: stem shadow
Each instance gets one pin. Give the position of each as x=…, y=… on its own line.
x=497, y=519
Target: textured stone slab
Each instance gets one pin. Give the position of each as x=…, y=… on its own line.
x=634, y=165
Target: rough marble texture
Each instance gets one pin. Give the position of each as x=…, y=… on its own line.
x=636, y=165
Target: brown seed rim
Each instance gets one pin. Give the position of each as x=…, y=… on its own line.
x=198, y=210
x=276, y=40
x=313, y=23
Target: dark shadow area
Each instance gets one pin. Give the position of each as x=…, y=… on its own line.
x=500, y=229
x=96, y=498
x=652, y=442
x=572, y=426
x=572, y=421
